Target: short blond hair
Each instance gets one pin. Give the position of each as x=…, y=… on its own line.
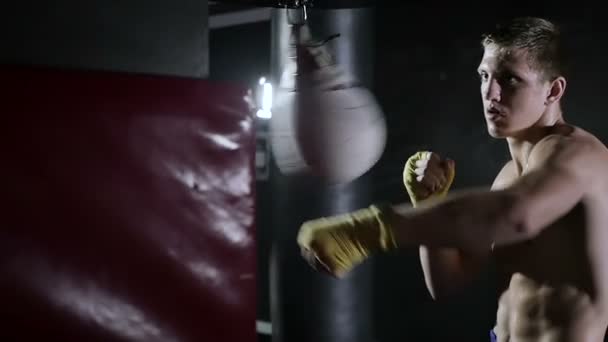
x=539, y=38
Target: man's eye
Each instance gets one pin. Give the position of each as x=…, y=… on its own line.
x=511, y=80
x=483, y=76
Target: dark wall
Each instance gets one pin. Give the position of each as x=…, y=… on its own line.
x=151, y=37
x=240, y=53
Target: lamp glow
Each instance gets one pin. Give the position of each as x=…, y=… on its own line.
x=265, y=111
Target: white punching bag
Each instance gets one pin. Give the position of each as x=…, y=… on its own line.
x=324, y=123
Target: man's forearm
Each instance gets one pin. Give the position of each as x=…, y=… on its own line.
x=471, y=221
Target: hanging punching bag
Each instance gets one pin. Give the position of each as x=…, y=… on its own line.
x=324, y=121
x=306, y=305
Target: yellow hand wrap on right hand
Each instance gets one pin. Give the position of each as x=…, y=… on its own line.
x=418, y=194
x=341, y=242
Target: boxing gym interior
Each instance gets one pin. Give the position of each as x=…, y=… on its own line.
x=155, y=179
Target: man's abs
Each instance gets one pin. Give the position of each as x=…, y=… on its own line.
x=549, y=287
x=529, y=311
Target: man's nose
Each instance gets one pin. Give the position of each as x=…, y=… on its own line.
x=492, y=91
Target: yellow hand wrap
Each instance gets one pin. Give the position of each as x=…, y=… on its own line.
x=415, y=190
x=343, y=241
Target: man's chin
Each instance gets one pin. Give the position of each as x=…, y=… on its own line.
x=496, y=132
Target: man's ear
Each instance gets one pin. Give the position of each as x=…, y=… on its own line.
x=557, y=89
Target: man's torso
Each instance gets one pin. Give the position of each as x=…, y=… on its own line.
x=550, y=284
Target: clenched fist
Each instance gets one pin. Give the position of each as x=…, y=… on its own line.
x=337, y=244
x=427, y=176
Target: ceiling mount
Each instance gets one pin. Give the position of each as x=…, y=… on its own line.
x=318, y=4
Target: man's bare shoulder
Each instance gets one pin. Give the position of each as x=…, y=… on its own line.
x=572, y=147
x=567, y=138
x=582, y=135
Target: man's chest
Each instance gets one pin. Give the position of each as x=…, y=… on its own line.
x=556, y=256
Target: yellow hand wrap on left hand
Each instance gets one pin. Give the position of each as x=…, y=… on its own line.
x=417, y=192
x=341, y=242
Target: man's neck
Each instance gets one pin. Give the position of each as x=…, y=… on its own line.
x=521, y=145
x=520, y=151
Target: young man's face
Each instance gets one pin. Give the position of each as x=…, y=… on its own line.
x=513, y=94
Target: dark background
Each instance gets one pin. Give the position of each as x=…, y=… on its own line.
x=425, y=58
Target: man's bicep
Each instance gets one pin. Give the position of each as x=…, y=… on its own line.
x=545, y=195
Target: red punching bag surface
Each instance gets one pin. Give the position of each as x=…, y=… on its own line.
x=127, y=208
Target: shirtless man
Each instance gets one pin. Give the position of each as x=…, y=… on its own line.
x=544, y=221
